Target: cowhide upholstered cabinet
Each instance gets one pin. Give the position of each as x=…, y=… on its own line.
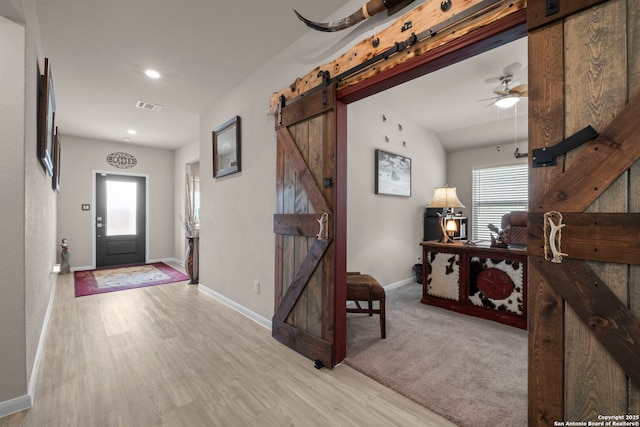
x=480, y=281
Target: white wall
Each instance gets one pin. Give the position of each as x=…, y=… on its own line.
x=79, y=159
x=12, y=135
x=28, y=217
x=460, y=165
x=384, y=232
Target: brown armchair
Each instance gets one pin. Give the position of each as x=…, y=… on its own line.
x=515, y=225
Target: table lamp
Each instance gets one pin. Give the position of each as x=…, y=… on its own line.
x=447, y=199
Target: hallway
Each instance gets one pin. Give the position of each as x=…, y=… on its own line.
x=170, y=355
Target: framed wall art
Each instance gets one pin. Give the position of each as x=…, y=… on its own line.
x=226, y=148
x=392, y=174
x=46, y=118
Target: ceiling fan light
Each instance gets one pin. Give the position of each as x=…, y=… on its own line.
x=507, y=101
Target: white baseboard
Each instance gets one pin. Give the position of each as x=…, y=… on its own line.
x=31, y=390
x=12, y=406
x=398, y=284
x=237, y=307
x=82, y=268
x=25, y=402
x=175, y=260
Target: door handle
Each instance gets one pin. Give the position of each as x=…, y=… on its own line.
x=323, y=234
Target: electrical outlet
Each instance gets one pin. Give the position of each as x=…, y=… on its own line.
x=256, y=287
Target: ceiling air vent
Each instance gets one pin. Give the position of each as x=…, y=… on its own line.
x=148, y=106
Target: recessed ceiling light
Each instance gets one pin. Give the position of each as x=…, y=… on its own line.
x=131, y=132
x=152, y=74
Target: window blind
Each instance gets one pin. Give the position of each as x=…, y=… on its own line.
x=496, y=191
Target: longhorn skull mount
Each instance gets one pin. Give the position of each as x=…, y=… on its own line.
x=369, y=9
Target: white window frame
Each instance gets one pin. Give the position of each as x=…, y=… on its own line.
x=497, y=190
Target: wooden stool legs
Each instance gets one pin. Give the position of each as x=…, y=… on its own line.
x=363, y=287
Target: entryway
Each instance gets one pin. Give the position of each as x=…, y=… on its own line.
x=120, y=223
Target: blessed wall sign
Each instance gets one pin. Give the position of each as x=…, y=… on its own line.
x=122, y=160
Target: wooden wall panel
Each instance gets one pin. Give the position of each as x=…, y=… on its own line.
x=546, y=308
x=596, y=90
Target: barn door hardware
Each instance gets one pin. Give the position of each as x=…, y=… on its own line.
x=399, y=46
x=547, y=156
x=325, y=83
x=323, y=234
x=328, y=183
x=282, y=102
x=553, y=237
x=552, y=7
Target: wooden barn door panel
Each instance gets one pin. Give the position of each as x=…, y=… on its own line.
x=633, y=46
x=546, y=307
x=596, y=91
x=305, y=263
x=599, y=75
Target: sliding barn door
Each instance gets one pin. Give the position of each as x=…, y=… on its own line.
x=304, y=225
x=584, y=345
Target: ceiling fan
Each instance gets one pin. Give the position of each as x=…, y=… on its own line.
x=507, y=96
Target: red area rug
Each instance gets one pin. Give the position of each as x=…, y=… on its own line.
x=103, y=280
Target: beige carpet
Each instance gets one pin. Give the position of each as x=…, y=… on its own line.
x=469, y=370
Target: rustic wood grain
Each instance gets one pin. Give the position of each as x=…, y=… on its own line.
x=546, y=308
x=313, y=106
x=633, y=49
x=301, y=171
x=279, y=240
x=606, y=316
x=308, y=263
x=606, y=237
x=537, y=16
x=300, y=279
x=299, y=315
x=328, y=294
x=595, y=88
x=433, y=48
x=607, y=158
x=296, y=225
x=315, y=161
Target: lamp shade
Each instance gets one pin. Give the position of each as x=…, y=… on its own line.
x=445, y=197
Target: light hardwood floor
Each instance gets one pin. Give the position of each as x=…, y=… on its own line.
x=170, y=355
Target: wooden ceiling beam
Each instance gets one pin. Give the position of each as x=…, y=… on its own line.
x=419, y=20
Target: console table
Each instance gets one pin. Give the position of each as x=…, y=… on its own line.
x=480, y=281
